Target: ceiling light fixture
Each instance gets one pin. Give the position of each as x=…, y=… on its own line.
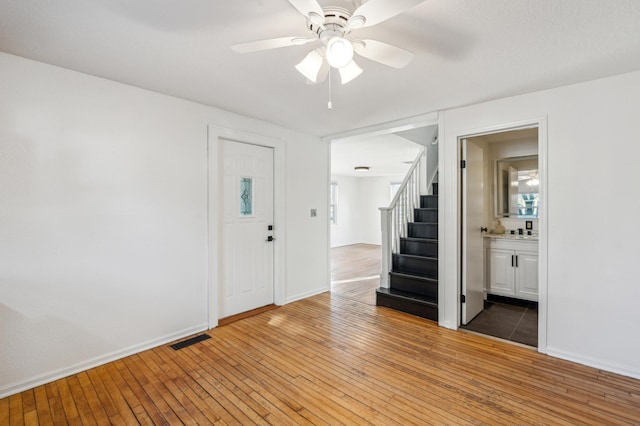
x=339, y=52
x=349, y=72
x=361, y=168
x=330, y=26
x=310, y=65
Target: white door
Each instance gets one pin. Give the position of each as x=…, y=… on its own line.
x=472, y=243
x=247, y=250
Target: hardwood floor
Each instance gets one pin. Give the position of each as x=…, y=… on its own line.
x=332, y=360
x=355, y=272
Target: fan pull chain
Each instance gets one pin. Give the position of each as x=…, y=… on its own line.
x=329, y=104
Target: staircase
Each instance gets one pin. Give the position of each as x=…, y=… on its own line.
x=413, y=278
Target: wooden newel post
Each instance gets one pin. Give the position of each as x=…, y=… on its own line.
x=385, y=221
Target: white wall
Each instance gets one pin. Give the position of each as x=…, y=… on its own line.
x=103, y=224
x=592, y=204
x=375, y=192
x=425, y=136
x=347, y=231
x=359, y=199
x=307, y=239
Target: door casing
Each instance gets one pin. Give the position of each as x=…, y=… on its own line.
x=451, y=304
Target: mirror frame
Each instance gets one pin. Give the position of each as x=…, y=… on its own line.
x=497, y=211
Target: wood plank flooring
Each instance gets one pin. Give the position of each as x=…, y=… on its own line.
x=355, y=272
x=331, y=360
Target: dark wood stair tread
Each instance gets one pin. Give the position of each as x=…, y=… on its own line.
x=410, y=303
x=410, y=282
x=425, y=300
x=420, y=240
x=415, y=277
x=415, y=256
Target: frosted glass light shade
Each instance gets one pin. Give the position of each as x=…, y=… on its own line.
x=310, y=65
x=349, y=72
x=339, y=52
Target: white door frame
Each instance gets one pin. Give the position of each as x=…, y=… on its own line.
x=215, y=214
x=541, y=124
x=423, y=120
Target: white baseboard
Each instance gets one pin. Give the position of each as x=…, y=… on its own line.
x=307, y=294
x=49, y=377
x=593, y=362
x=344, y=244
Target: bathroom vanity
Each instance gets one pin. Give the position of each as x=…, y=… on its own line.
x=512, y=265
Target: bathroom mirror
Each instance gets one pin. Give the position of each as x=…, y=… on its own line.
x=516, y=187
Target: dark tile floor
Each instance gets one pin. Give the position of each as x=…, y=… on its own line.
x=508, y=319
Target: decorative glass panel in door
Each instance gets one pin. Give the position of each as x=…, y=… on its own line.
x=246, y=196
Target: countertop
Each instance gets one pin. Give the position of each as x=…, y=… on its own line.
x=508, y=236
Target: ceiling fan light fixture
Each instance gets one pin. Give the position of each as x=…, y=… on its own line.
x=339, y=52
x=310, y=65
x=349, y=72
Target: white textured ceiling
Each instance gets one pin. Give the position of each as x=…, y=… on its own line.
x=467, y=51
x=385, y=155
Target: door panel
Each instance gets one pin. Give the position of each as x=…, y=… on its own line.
x=472, y=242
x=528, y=275
x=501, y=279
x=247, y=258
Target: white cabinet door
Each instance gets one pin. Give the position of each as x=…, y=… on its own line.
x=501, y=276
x=512, y=269
x=527, y=276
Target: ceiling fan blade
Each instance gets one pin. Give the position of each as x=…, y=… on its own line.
x=349, y=72
x=310, y=65
x=271, y=43
x=384, y=53
x=310, y=9
x=376, y=11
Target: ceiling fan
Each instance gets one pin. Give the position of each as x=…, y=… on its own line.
x=332, y=27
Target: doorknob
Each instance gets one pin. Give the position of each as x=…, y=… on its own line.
x=270, y=238
x=483, y=229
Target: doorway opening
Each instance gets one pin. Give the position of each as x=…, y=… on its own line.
x=366, y=171
x=500, y=200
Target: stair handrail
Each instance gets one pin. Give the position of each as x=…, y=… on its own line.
x=432, y=178
x=395, y=218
